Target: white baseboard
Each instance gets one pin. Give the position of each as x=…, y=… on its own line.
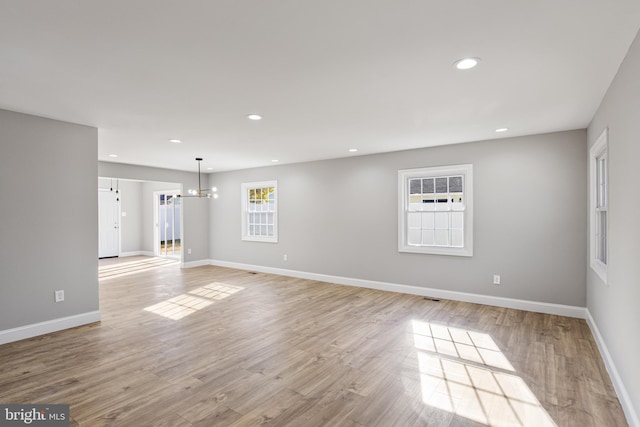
x=30, y=331
x=136, y=253
x=132, y=253
x=618, y=385
x=196, y=263
x=539, y=307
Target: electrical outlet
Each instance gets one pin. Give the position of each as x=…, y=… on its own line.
x=284, y=257
x=59, y=296
x=496, y=279
x=189, y=251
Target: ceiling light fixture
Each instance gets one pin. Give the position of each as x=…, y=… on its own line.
x=175, y=141
x=466, y=63
x=113, y=155
x=200, y=192
x=353, y=150
x=275, y=160
x=254, y=117
x=117, y=190
x=499, y=130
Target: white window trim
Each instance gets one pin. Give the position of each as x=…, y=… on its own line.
x=244, y=200
x=403, y=177
x=600, y=147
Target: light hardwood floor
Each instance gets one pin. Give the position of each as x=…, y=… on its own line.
x=212, y=346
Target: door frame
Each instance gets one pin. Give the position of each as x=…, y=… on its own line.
x=156, y=224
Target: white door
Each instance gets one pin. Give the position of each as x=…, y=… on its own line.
x=109, y=225
x=167, y=216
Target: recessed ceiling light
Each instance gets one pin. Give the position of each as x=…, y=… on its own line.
x=254, y=117
x=502, y=130
x=209, y=169
x=466, y=63
x=175, y=141
x=113, y=155
x=275, y=160
x=353, y=150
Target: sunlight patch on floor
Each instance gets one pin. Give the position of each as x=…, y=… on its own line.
x=467, y=345
x=120, y=269
x=188, y=303
x=465, y=373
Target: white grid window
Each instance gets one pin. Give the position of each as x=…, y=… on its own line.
x=259, y=211
x=601, y=208
x=599, y=195
x=435, y=210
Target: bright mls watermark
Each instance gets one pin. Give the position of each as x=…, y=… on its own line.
x=34, y=415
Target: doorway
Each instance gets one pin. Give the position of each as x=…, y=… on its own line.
x=108, y=224
x=168, y=242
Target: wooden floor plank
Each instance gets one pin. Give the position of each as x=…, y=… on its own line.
x=212, y=346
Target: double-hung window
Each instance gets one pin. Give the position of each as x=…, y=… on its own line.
x=435, y=214
x=599, y=195
x=260, y=211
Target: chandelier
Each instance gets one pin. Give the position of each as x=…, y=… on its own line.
x=211, y=193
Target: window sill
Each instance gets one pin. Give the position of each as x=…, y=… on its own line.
x=600, y=269
x=260, y=239
x=436, y=250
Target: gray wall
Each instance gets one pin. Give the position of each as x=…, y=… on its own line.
x=615, y=308
x=195, y=212
x=48, y=231
x=131, y=224
x=339, y=217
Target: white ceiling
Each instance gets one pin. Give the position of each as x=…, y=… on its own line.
x=327, y=75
